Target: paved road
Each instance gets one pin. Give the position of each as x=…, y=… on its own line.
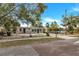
x=54, y=48
x=58, y=48
x=26, y=50
x=67, y=47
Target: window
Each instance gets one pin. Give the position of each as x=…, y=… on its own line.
x=32, y=30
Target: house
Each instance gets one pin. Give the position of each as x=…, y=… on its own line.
x=24, y=28
x=29, y=29
x=1, y=28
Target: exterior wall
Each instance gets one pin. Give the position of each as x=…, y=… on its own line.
x=26, y=30
x=1, y=29
x=77, y=25
x=37, y=30
x=30, y=30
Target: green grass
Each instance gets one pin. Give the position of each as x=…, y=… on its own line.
x=26, y=42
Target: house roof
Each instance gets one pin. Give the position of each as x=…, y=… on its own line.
x=25, y=25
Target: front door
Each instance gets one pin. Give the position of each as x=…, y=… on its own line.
x=37, y=30
x=24, y=30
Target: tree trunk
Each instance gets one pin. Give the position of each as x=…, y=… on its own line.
x=8, y=33
x=47, y=34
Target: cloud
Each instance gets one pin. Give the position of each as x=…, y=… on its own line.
x=49, y=20
x=76, y=9
x=73, y=11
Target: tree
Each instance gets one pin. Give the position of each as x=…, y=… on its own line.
x=32, y=13
x=10, y=25
x=7, y=17
x=37, y=22
x=54, y=26
x=47, y=29
x=29, y=12
x=37, y=13
x=5, y=10
x=70, y=22
x=47, y=25
x=15, y=24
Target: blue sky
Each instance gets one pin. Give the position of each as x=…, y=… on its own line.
x=55, y=11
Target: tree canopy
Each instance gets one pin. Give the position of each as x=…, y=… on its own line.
x=10, y=13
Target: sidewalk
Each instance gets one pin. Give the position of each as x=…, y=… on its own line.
x=30, y=38
x=67, y=37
